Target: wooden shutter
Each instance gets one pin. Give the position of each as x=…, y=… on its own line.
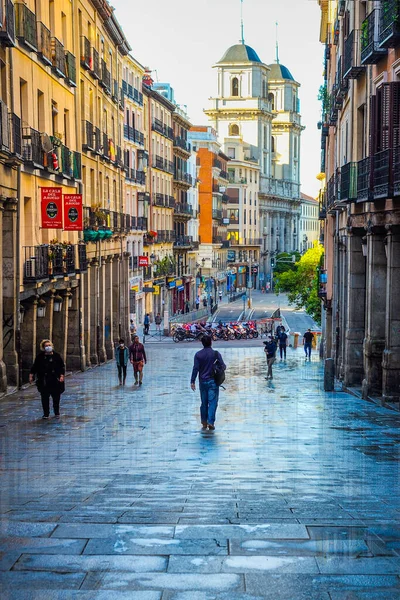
x=384, y=119
x=4, y=126
x=373, y=124
x=395, y=114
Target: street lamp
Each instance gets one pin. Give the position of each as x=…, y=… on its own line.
x=57, y=305
x=41, y=308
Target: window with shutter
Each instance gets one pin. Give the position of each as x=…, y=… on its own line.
x=395, y=114
x=4, y=128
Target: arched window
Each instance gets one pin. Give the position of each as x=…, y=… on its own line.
x=235, y=86
x=271, y=98
x=234, y=129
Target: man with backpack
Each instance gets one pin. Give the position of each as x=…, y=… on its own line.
x=208, y=364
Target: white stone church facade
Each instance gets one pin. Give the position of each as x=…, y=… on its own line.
x=257, y=118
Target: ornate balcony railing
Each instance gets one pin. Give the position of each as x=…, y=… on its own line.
x=82, y=258
x=70, y=67
x=331, y=193
x=183, y=241
x=26, y=26
x=352, y=66
x=36, y=263
x=88, y=142
x=183, y=177
x=183, y=209
x=96, y=70
x=7, y=25
x=32, y=152
x=364, y=179
x=382, y=171
x=182, y=144
x=389, y=31
x=105, y=81
x=44, y=43
x=43, y=262
x=217, y=214
x=58, y=57
x=162, y=129
x=142, y=223
x=348, y=184
x=163, y=164
x=370, y=50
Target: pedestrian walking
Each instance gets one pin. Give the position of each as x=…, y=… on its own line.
x=205, y=301
x=211, y=302
x=49, y=370
x=146, y=323
x=209, y=391
x=157, y=321
x=307, y=343
x=137, y=356
x=187, y=306
x=220, y=295
x=283, y=341
x=122, y=357
x=270, y=351
x=197, y=302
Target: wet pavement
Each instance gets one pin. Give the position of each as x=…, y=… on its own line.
x=294, y=496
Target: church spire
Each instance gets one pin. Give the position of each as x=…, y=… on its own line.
x=277, y=44
x=241, y=23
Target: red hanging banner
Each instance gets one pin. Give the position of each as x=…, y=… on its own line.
x=52, y=208
x=73, y=212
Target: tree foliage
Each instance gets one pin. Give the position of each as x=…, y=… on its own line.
x=301, y=283
x=288, y=265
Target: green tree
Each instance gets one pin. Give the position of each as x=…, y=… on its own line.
x=301, y=283
x=284, y=262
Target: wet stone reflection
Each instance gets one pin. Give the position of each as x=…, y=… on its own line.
x=295, y=495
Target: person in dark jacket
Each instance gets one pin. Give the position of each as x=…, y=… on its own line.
x=209, y=391
x=122, y=358
x=137, y=356
x=146, y=324
x=283, y=340
x=49, y=370
x=270, y=351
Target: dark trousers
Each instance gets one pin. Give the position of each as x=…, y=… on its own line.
x=45, y=397
x=307, y=349
x=121, y=371
x=146, y=328
x=282, y=351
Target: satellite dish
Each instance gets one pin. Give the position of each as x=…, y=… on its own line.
x=46, y=142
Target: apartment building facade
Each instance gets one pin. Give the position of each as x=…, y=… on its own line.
x=361, y=200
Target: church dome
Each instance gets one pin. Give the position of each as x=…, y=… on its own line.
x=279, y=72
x=240, y=53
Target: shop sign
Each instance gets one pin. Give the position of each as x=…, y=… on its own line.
x=242, y=269
x=178, y=282
x=156, y=290
x=181, y=288
x=143, y=261
x=171, y=284
x=231, y=255
x=51, y=208
x=148, y=290
x=73, y=212
x=159, y=282
x=136, y=284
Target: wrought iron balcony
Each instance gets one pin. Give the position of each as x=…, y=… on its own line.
x=140, y=177
x=331, y=192
x=396, y=171
x=371, y=53
x=88, y=136
x=144, y=197
x=183, y=241
x=142, y=223
x=32, y=151
x=96, y=70
x=15, y=135
x=36, y=263
x=115, y=91
x=86, y=55
x=217, y=239
x=163, y=164
x=58, y=57
x=223, y=175
x=43, y=262
x=26, y=26
x=82, y=258
x=70, y=67
x=44, y=43
x=382, y=174
x=183, y=209
x=364, y=179
x=183, y=177
x=217, y=214
x=7, y=25
x=162, y=129
x=217, y=164
x=352, y=67
x=105, y=80
x=348, y=182
x=183, y=144
x=159, y=199
x=389, y=31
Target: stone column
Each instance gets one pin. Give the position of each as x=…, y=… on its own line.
x=375, y=324
x=116, y=294
x=60, y=327
x=94, y=313
x=3, y=372
x=353, y=367
x=391, y=355
x=282, y=224
x=343, y=305
x=110, y=284
x=125, y=295
x=10, y=312
x=87, y=333
x=102, y=311
x=44, y=325
x=74, y=342
x=28, y=338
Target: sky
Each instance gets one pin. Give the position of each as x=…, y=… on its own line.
x=180, y=40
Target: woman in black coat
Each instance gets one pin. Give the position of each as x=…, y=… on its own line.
x=49, y=370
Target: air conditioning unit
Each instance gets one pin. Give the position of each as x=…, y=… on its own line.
x=30, y=268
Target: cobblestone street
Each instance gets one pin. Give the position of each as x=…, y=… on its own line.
x=294, y=496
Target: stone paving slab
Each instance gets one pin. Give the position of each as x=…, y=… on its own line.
x=40, y=580
x=62, y=563
x=194, y=595
x=79, y=595
x=103, y=531
x=242, y=564
x=42, y=545
x=268, y=530
x=164, y=581
x=359, y=566
x=298, y=548
x=23, y=529
x=156, y=546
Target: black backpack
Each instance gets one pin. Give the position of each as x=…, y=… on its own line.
x=218, y=371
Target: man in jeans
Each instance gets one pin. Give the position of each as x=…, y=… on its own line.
x=270, y=351
x=307, y=341
x=209, y=391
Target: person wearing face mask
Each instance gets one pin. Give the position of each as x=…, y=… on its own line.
x=122, y=357
x=49, y=370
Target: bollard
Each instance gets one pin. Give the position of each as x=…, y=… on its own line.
x=329, y=375
x=296, y=340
